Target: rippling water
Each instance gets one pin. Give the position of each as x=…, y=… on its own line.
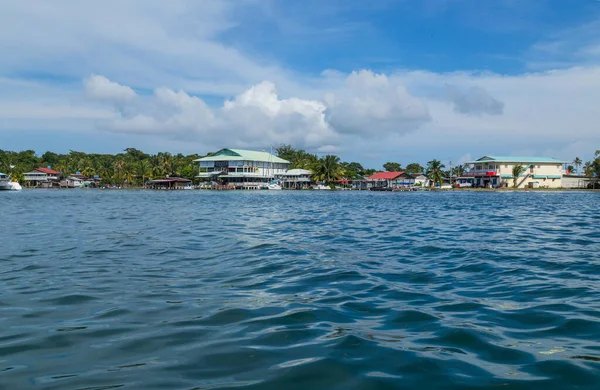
x=299, y=290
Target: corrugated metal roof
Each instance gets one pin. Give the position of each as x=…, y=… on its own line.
x=296, y=172
x=169, y=179
x=47, y=171
x=517, y=159
x=385, y=175
x=241, y=154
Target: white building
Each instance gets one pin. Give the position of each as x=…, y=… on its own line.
x=496, y=171
x=241, y=168
x=41, y=177
x=295, y=178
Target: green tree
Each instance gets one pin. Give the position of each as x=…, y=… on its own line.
x=577, y=162
x=143, y=170
x=459, y=170
x=435, y=172
x=328, y=169
x=352, y=170
x=415, y=168
x=516, y=172
x=392, y=167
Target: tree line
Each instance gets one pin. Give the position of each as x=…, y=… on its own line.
x=330, y=168
x=130, y=168
x=133, y=167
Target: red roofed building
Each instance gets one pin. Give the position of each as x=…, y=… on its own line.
x=385, y=176
x=385, y=179
x=42, y=177
x=392, y=180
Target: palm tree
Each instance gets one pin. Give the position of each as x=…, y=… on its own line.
x=128, y=174
x=435, y=172
x=577, y=162
x=328, y=169
x=588, y=169
x=516, y=172
x=459, y=170
x=143, y=170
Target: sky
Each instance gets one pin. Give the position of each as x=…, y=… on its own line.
x=370, y=81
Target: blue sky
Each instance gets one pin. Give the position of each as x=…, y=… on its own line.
x=370, y=81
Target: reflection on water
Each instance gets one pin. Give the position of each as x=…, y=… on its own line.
x=299, y=290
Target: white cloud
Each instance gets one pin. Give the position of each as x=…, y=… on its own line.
x=100, y=88
x=371, y=104
x=256, y=117
x=473, y=100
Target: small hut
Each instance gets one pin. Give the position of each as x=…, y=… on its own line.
x=169, y=183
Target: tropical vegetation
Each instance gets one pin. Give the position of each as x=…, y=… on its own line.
x=130, y=168
x=435, y=172
x=133, y=167
x=516, y=173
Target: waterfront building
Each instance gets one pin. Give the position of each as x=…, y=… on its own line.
x=579, y=181
x=294, y=178
x=73, y=181
x=169, y=183
x=391, y=180
x=42, y=177
x=241, y=168
x=496, y=171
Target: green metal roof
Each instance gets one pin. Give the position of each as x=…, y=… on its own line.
x=241, y=155
x=518, y=159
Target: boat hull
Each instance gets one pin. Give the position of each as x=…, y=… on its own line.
x=10, y=186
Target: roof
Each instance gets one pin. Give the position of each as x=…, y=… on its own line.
x=169, y=180
x=518, y=159
x=47, y=171
x=385, y=175
x=241, y=155
x=296, y=172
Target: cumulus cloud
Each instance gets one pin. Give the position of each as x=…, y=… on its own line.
x=254, y=118
x=370, y=103
x=473, y=101
x=100, y=88
x=365, y=104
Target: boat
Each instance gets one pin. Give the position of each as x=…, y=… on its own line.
x=274, y=185
x=321, y=187
x=7, y=184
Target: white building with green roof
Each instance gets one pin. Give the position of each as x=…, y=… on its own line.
x=496, y=171
x=242, y=168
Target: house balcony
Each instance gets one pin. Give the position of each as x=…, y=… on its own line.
x=481, y=172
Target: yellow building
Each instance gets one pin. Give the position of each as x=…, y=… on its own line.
x=497, y=171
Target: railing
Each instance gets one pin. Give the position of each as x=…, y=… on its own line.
x=481, y=172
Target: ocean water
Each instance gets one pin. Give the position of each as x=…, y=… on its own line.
x=299, y=290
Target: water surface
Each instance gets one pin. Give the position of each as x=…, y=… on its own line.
x=299, y=290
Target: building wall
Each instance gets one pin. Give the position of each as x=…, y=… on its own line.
x=575, y=181
x=527, y=177
x=35, y=176
x=256, y=169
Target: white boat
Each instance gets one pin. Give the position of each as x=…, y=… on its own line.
x=274, y=185
x=321, y=187
x=6, y=183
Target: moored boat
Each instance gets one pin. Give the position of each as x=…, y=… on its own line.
x=7, y=184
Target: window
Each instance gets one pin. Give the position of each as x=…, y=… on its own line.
x=539, y=167
x=505, y=166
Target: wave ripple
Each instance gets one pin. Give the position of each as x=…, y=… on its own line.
x=299, y=290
